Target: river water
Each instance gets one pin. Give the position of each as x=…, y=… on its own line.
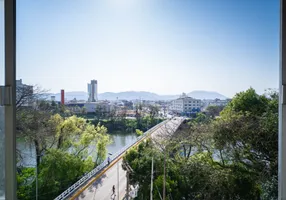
x=119, y=140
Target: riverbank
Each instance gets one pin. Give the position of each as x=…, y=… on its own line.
x=119, y=140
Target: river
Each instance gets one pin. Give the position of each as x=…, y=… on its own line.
x=119, y=140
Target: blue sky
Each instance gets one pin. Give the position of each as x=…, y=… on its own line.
x=161, y=46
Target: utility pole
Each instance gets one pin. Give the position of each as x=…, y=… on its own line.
x=128, y=171
x=118, y=180
x=36, y=176
x=151, y=189
x=127, y=185
x=164, y=181
x=36, y=182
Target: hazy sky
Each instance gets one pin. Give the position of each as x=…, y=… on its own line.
x=161, y=46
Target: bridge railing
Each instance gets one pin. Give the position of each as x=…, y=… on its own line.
x=99, y=168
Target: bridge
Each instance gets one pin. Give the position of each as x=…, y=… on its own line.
x=98, y=183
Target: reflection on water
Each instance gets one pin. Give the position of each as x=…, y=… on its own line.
x=119, y=140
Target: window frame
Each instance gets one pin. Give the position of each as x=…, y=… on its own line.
x=10, y=114
x=10, y=111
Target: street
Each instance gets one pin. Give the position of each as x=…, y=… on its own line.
x=102, y=188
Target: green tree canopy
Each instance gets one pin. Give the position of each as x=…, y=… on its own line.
x=230, y=157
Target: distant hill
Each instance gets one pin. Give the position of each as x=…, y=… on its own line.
x=198, y=94
x=131, y=95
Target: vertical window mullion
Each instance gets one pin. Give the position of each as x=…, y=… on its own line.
x=10, y=114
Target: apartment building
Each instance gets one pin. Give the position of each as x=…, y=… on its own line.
x=186, y=105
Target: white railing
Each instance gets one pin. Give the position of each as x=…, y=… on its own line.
x=100, y=167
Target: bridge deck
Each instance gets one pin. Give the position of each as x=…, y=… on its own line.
x=102, y=187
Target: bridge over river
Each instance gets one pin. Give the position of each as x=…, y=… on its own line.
x=97, y=184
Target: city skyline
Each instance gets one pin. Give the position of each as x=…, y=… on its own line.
x=165, y=48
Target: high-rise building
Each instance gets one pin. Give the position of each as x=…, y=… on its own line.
x=92, y=91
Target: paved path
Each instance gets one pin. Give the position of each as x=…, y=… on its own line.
x=101, y=189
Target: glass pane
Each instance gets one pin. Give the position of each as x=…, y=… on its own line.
x=2, y=147
x=107, y=61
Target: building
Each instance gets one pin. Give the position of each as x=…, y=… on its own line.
x=92, y=91
x=186, y=105
x=104, y=107
x=24, y=94
x=20, y=85
x=215, y=102
x=130, y=113
x=53, y=98
x=90, y=107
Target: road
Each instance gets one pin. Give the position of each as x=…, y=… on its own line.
x=101, y=189
x=167, y=130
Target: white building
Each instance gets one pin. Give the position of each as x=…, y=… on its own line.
x=24, y=94
x=91, y=107
x=215, y=102
x=104, y=107
x=186, y=105
x=92, y=91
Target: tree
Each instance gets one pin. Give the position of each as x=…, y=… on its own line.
x=201, y=118
x=100, y=113
x=247, y=102
x=76, y=133
x=67, y=158
x=25, y=183
x=128, y=104
x=247, y=134
x=32, y=113
x=59, y=170
x=138, y=132
x=255, y=128
x=83, y=110
x=194, y=178
x=214, y=111
x=61, y=142
x=231, y=157
x=53, y=104
x=138, y=115
x=32, y=125
x=153, y=111
x=131, y=125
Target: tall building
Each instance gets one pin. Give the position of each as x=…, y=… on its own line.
x=92, y=91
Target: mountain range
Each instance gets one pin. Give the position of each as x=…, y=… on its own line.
x=132, y=95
